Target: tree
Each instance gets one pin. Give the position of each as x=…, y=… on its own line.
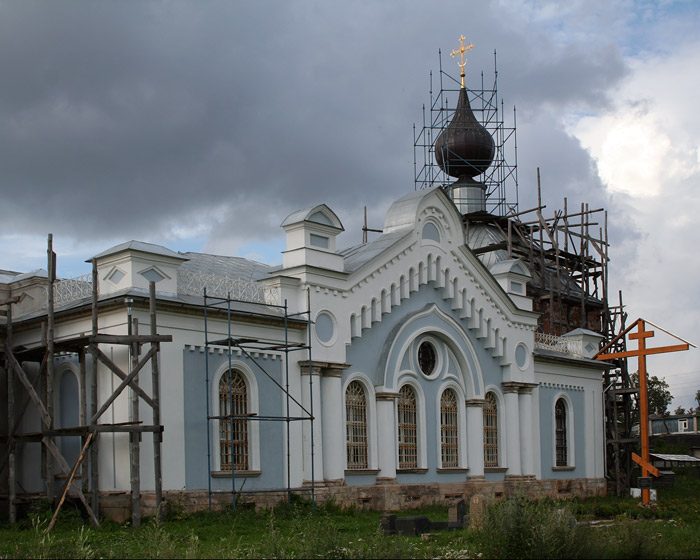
x=697, y=398
x=679, y=411
x=658, y=393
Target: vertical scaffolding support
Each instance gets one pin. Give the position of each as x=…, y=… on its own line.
x=51, y=257
x=134, y=444
x=94, y=449
x=248, y=346
x=155, y=387
x=311, y=406
x=39, y=391
x=11, y=421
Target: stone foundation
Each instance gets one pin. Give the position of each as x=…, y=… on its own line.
x=386, y=496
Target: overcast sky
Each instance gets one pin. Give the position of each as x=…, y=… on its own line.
x=202, y=125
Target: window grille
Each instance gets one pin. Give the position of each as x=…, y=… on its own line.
x=448, y=428
x=561, y=443
x=233, y=430
x=408, y=431
x=356, y=425
x=490, y=431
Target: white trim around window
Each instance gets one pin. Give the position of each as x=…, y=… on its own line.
x=252, y=408
x=501, y=428
x=461, y=426
x=422, y=458
x=372, y=463
x=570, y=456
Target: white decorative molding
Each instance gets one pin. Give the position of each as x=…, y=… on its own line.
x=561, y=344
x=72, y=289
x=561, y=386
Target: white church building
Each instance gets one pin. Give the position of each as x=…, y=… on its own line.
x=416, y=357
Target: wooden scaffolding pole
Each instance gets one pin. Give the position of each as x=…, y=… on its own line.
x=11, y=422
x=94, y=449
x=51, y=258
x=155, y=389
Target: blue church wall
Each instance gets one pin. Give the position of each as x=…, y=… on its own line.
x=575, y=400
x=369, y=353
x=387, y=347
x=271, y=433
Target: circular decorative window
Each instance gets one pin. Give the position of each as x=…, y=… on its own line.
x=325, y=327
x=521, y=356
x=426, y=358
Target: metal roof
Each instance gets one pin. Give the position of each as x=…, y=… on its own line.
x=671, y=457
x=232, y=267
x=354, y=257
x=141, y=246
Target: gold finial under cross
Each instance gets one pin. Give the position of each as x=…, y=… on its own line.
x=463, y=61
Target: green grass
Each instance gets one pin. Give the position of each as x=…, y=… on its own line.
x=515, y=528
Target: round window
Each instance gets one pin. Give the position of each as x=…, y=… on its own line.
x=426, y=358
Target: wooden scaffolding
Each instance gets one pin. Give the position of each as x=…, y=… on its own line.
x=567, y=254
x=25, y=391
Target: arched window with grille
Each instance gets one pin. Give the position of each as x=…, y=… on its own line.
x=561, y=442
x=408, y=428
x=449, y=440
x=490, y=431
x=233, y=426
x=356, y=426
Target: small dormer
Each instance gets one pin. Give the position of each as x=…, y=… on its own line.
x=311, y=237
x=134, y=264
x=512, y=275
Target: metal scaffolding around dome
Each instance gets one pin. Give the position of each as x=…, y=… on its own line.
x=566, y=253
x=501, y=178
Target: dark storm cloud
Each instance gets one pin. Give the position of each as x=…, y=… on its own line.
x=128, y=119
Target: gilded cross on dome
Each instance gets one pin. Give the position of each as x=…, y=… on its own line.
x=463, y=61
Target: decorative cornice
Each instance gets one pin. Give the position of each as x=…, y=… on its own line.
x=561, y=386
x=325, y=369
x=386, y=396
x=510, y=387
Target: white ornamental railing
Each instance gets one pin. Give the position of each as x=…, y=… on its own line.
x=72, y=289
x=193, y=284
x=558, y=344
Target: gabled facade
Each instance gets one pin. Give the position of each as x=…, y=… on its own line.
x=424, y=375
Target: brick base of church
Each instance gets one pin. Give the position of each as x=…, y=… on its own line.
x=384, y=496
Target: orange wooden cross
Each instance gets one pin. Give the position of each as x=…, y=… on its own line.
x=641, y=353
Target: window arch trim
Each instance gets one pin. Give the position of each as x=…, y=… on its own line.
x=462, y=432
x=370, y=397
x=493, y=450
x=570, y=449
x=421, y=450
x=252, y=408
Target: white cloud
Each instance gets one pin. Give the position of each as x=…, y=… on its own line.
x=646, y=148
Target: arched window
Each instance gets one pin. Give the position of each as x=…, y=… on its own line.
x=408, y=428
x=490, y=431
x=448, y=429
x=356, y=425
x=562, y=453
x=233, y=426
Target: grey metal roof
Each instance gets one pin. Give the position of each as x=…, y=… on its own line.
x=140, y=246
x=6, y=276
x=232, y=267
x=306, y=213
x=402, y=213
x=482, y=235
x=667, y=457
x=354, y=257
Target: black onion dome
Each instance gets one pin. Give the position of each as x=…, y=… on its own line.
x=465, y=148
